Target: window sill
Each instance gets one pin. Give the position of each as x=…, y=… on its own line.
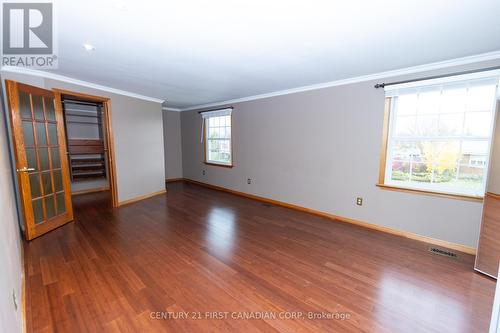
x=432, y=193
x=219, y=165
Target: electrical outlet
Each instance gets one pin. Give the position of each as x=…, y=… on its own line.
x=14, y=299
x=359, y=201
x=203, y=172
x=249, y=181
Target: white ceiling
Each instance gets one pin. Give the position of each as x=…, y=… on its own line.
x=192, y=52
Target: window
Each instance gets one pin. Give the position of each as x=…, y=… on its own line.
x=217, y=137
x=438, y=135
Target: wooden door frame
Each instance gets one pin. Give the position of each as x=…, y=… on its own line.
x=110, y=156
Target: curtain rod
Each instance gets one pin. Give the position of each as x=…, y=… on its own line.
x=382, y=85
x=229, y=107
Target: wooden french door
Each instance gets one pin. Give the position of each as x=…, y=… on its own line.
x=40, y=152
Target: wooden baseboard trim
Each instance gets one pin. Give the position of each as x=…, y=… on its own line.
x=142, y=197
x=173, y=180
x=91, y=190
x=333, y=217
x=493, y=195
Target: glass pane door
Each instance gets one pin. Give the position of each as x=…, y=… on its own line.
x=38, y=131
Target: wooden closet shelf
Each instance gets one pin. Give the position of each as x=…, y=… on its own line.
x=85, y=173
x=83, y=115
x=86, y=161
x=87, y=178
x=87, y=165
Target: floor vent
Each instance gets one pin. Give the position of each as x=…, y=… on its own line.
x=442, y=252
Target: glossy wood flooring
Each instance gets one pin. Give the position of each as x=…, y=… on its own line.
x=200, y=251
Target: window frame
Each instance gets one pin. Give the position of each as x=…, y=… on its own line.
x=205, y=144
x=387, y=123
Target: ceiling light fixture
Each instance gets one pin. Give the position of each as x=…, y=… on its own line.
x=89, y=47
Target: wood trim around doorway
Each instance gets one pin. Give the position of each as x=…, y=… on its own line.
x=108, y=130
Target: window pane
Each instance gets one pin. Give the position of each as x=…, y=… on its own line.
x=37, y=107
x=56, y=161
x=451, y=124
x=470, y=179
x=400, y=171
x=35, y=185
x=211, y=122
x=52, y=134
x=31, y=158
x=406, y=104
x=50, y=206
x=47, y=183
x=29, y=137
x=219, y=151
x=421, y=172
x=454, y=100
x=213, y=133
x=43, y=154
x=427, y=125
x=61, y=205
x=472, y=149
x=222, y=121
x=38, y=211
x=406, y=151
x=49, y=109
x=40, y=134
x=481, y=98
x=478, y=123
x=446, y=153
x=429, y=102
x=405, y=125
x=25, y=105
x=58, y=180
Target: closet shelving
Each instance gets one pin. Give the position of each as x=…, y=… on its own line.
x=86, y=146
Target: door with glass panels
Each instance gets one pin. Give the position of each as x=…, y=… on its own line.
x=40, y=151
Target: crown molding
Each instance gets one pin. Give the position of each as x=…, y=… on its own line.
x=53, y=76
x=171, y=109
x=382, y=75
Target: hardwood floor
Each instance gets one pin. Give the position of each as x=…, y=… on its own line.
x=201, y=251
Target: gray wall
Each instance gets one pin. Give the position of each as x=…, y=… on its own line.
x=173, y=146
x=321, y=149
x=10, y=243
x=138, y=138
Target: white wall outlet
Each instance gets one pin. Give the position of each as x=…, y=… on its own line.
x=204, y=172
x=249, y=181
x=359, y=201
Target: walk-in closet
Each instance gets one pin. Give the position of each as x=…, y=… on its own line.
x=86, y=145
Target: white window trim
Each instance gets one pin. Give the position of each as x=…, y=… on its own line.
x=204, y=135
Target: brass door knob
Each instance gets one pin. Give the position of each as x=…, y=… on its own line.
x=25, y=169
